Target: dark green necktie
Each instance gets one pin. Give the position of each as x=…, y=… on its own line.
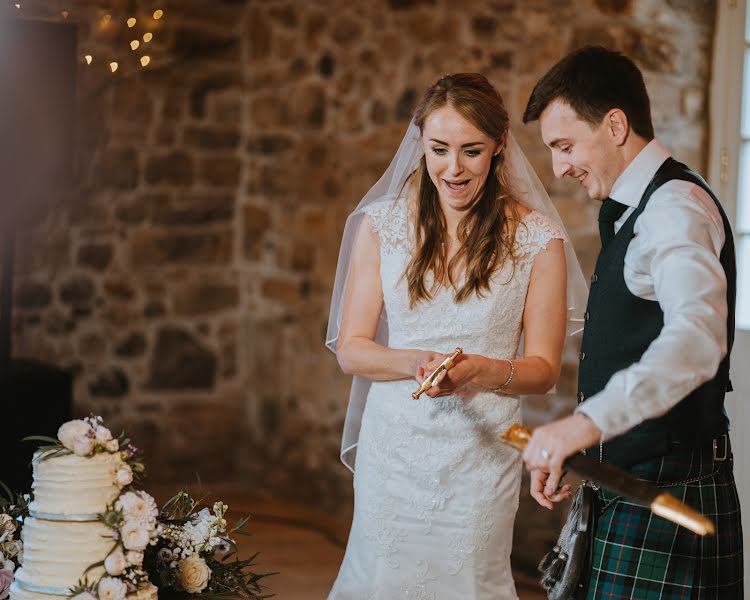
x=609, y=212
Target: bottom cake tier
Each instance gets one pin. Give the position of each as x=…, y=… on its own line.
x=57, y=553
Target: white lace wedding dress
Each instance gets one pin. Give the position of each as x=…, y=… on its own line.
x=435, y=492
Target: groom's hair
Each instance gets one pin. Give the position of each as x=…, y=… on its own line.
x=592, y=81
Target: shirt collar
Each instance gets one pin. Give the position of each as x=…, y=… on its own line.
x=629, y=187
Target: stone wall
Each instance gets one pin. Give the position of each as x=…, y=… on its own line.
x=186, y=276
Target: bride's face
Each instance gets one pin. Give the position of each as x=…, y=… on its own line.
x=458, y=157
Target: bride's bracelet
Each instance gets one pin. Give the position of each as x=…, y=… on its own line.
x=506, y=383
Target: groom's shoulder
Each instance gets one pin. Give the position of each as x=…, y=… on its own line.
x=688, y=199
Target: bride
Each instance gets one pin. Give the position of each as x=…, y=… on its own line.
x=457, y=245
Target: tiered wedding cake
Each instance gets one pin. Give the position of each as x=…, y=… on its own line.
x=63, y=537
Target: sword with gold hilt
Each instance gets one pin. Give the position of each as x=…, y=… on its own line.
x=435, y=377
x=623, y=484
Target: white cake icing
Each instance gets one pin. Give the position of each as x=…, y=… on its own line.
x=74, y=485
x=56, y=553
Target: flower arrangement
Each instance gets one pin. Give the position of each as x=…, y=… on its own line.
x=196, y=555
x=183, y=550
x=13, y=509
x=88, y=437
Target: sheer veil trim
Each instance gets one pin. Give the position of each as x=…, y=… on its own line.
x=528, y=190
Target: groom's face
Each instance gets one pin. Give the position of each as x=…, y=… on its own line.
x=579, y=150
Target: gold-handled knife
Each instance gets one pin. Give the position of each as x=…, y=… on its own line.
x=432, y=377
x=623, y=484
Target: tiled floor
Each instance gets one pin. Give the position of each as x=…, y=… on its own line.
x=304, y=546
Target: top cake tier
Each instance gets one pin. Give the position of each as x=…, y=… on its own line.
x=73, y=486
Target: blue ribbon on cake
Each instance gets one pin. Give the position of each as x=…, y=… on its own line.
x=56, y=517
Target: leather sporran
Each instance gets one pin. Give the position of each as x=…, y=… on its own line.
x=564, y=568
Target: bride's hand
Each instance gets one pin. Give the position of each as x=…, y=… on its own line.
x=421, y=362
x=464, y=369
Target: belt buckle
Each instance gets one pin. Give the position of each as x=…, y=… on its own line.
x=716, y=456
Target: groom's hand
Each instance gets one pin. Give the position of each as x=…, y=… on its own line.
x=551, y=444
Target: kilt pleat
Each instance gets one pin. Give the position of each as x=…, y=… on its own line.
x=639, y=555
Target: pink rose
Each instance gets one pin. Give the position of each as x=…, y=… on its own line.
x=6, y=578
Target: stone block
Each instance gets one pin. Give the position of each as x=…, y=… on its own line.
x=119, y=288
x=181, y=362
x=195, y=43
x=205, y=297
x=194, y=209
x=110, y=383
x=95, y=256
x=31, y=295
x=212, y=138
x=77, y=290
x=132, y=346
x=118, y=169
x=175, y=168
x=154, y=248
x=211, y=84
x=219, y=171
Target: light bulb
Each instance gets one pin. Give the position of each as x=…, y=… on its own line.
x=147, y=37
x=145, y=60
x=158, y=14
x=88, y=59
x=131, y=22
x=134, y=45
x=113, y=66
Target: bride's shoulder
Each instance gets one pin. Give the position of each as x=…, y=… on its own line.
x=536, y=229
x=388, y=218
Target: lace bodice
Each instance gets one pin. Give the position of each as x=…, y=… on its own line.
x=491, y=325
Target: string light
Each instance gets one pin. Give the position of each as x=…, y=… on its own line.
x=147, y=37
x=131, y=22
x=88, y=59
x=113, y=66
x=145, y=60
x=158, y=14
x=134, y=45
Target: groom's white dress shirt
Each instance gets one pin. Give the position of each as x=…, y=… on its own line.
x=674, y=260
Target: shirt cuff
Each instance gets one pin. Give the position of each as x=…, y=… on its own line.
x=603, y=410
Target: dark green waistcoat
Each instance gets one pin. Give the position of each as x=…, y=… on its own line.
x=620, y=326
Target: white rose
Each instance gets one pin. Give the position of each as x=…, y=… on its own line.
x=83, y=445
x=71, y=430
x=139, y=506
x=111, y=588
x=112, y=446
x=102, y=434
x=124, y=476
x=134, y=558
x=134, y=535
x=115, y=563
x=10, y=548
x=194, y=574
x=7, y=524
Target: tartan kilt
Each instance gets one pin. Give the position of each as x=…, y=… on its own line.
x=640, y=555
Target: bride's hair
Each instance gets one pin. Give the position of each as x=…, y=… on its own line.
x=487, y=232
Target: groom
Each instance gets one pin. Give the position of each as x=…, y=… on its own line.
x=659, y=327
